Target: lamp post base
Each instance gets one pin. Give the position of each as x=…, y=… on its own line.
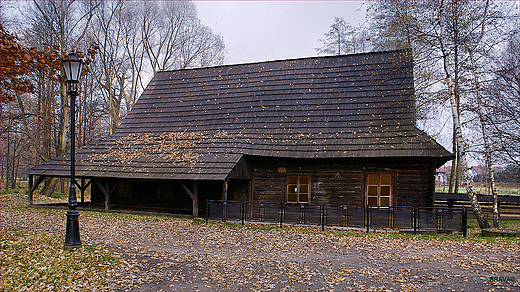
x=72, y=234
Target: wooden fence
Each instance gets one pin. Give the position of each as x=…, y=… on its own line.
x=509, y=206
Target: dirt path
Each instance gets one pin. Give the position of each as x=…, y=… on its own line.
x=183, y=255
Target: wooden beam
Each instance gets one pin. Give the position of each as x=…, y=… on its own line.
x=83, y=187
x=33, y=186
x=115, y=186
x=107, y=195
x=30, y=199
x=107, y=191
x=193, y=195
x=103, y=190
x=431, y=183
x=250, y=190
x=40, y=179
x=186, y=189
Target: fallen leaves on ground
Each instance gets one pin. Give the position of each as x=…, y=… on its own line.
x=38, y=262
x=184, y=254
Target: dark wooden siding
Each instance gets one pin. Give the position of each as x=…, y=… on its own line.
x=341, y=181
x=413, y=186
x=332, y=182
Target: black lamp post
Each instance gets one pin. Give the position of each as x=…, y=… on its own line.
x=72, y=65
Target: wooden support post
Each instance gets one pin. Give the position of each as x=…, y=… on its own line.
x=250, y=190
x=82, y=190
x=225, y=191
x=31, y=182
x=415, y=221
x=106, y=190
x=193, y=195
x=107, y=195
x=83, y=187
x=224, y=198
x=431, y=183
x=195, y=199
x=250, y=198
x=33, y=186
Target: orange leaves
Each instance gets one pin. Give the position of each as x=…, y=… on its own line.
x=18, y=64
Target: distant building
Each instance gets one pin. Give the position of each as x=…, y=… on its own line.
x=442, y=176
x=476, y=170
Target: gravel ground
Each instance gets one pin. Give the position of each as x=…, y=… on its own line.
x=185, y=255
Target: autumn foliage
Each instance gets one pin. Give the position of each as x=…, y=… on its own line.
x=17, y=63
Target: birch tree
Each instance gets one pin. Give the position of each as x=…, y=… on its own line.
x=454, y=104
x=503, y=98
x=446, y=37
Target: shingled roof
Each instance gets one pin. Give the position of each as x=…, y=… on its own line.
x=198, y=123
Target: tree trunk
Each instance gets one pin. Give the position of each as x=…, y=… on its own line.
x=453, y=171
x=463, y=166
x=496, y=213
x=487, y=146
x=7, y=163
x=48, y=186
x=482, y=222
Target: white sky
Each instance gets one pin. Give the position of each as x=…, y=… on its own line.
x=255, y=31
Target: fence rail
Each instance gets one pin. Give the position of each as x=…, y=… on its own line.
x=413, y=218
x=508, y=206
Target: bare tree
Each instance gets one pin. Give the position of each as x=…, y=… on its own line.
x=109, y=35
x=165, y=35
x=64, y=24
x=503, y=98
x=135, y=39
x=134, y=48
x=343, y=38
x=174, y=38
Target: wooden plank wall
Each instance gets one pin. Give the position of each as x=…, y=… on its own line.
x=341, y=182
x=413, y=186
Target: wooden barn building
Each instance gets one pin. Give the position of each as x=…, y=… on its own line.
x=333, y=130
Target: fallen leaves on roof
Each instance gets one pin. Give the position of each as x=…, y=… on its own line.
x=175, y=147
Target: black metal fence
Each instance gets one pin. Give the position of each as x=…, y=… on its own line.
x=396, y=217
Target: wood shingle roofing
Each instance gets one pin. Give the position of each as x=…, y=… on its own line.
x=198, y=123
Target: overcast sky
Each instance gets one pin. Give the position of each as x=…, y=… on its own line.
x=255, y=31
